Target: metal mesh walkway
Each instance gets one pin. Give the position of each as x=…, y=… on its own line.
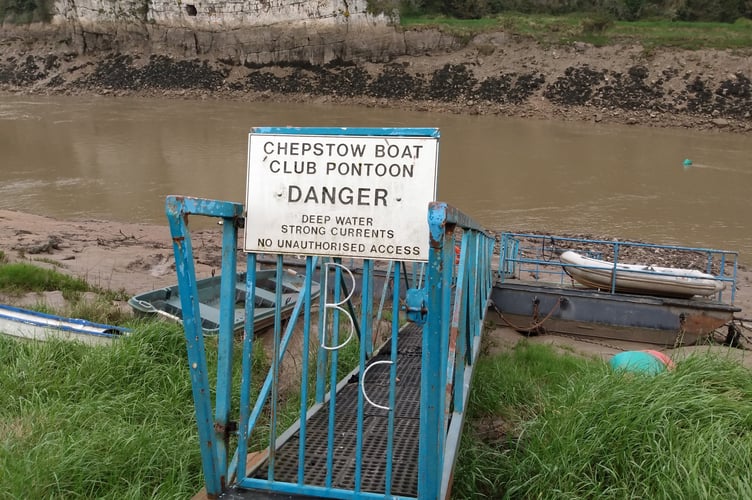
x=375, y=431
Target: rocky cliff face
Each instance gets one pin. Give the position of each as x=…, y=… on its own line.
x=379, y=65
x=242, y=31
x=214, y=15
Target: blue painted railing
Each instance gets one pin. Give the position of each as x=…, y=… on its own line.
x=448, y=299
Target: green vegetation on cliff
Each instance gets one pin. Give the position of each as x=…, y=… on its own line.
x=25, y=11
x=598, y=30
x=623, y=10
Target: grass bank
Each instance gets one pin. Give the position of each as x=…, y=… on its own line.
x=598, y=30
x=118, y=422
x=98, y=422
x=546, y=426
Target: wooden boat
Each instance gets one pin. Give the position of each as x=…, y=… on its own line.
x=33, y=325
x=639, y=279
x=165, y=302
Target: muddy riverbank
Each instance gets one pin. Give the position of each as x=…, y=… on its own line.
x=491, y=74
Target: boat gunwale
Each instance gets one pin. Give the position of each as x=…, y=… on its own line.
x=262, y=314
x=66, y=324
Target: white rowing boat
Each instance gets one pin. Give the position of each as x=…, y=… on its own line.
x=639, y=278
x=34, y=325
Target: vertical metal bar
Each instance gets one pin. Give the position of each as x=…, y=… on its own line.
x=334, y=356
x=367, y=306
x=275, y=367
x=246, y=365
x=446, y=321
x=431, y=421
x=304, y=381
x=462, y=322
x=227, y=294
x=489, y=275
x=613, y=271
x=323, y=354
x=366, y=348
x=456, y=317
x=383, y=290
x=479, y=283
x=503, y=256
x=194, y=337
x=392, y=380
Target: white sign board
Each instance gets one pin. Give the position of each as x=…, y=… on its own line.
x=340, y=195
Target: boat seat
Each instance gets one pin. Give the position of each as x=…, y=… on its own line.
x=209, y=314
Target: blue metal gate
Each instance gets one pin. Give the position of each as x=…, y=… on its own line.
x=389, y=425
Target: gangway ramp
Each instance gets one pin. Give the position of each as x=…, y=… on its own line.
x=388, y=429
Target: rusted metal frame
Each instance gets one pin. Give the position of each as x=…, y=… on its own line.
x=454, y=432
x=227, y=287
x=246, y=369
x=448, y=277
x=479, y=305
x=442, y=219
x=470, y=327
x=456, y=345
x=431, y=413
x=484, y=249
x=178, y=209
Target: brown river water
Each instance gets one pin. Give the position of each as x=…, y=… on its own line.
x=117, y=159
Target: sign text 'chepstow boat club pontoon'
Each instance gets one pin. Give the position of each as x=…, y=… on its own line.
x=346, y=192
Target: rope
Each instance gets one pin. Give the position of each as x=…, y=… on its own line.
x=536, y=326
x=543, y=249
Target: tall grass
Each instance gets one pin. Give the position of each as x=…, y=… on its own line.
x=18, y=278
x=587, y=432
x=107, y=422
x=118, y=422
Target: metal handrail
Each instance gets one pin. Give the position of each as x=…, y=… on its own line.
x=515, y=261
x=457, y=288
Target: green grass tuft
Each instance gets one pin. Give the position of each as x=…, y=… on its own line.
x=20, y=278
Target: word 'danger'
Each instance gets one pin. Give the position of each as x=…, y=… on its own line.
x=341, y=194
